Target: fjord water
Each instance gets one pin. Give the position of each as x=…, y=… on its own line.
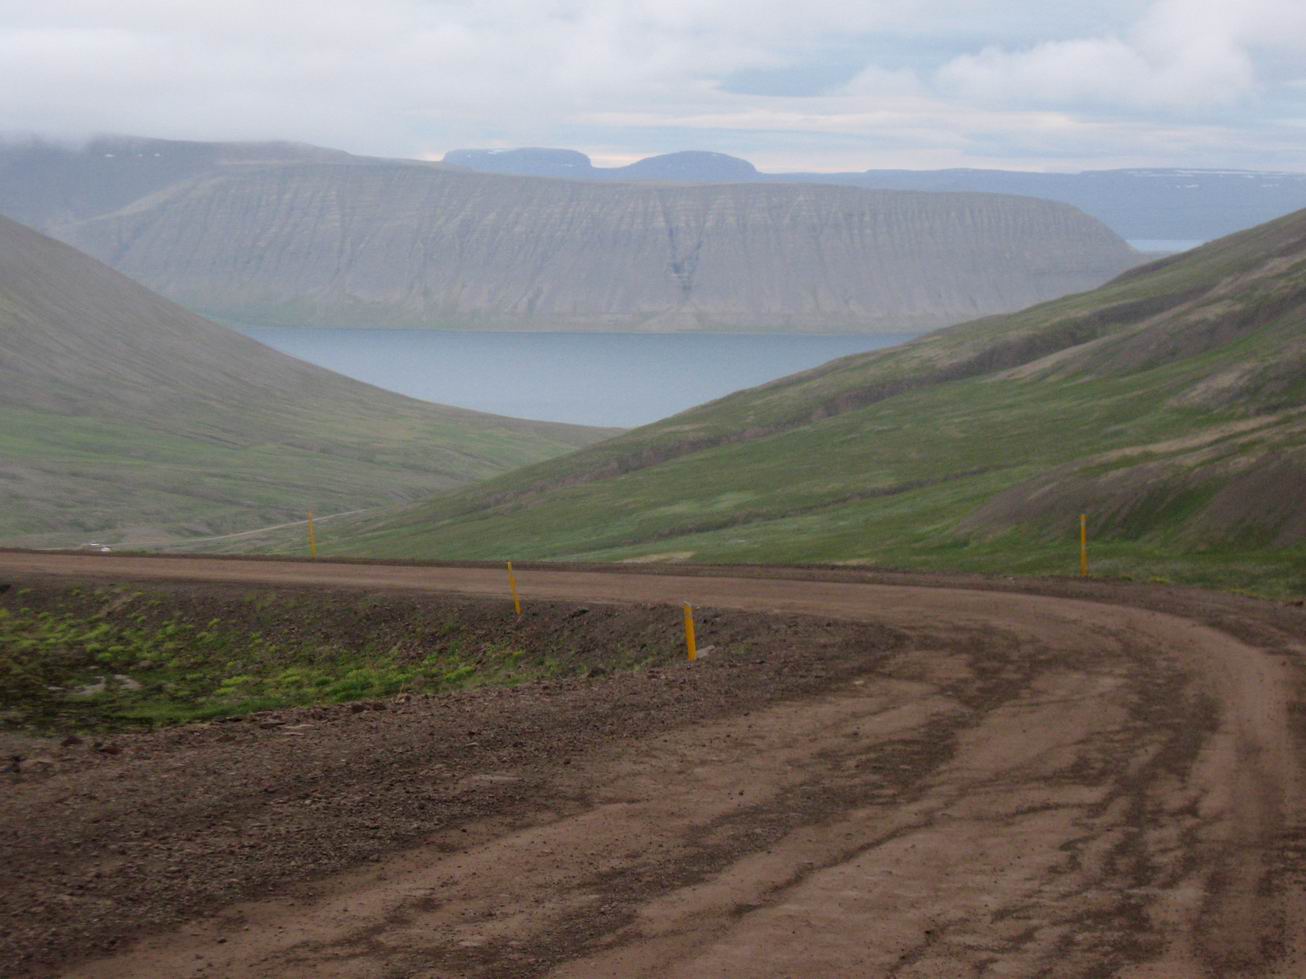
x=1168, y=246
x=610, y=379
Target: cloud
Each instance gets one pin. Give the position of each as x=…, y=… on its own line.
x=942, y=82
x=1189, y=56
x=842, y=133
x=878, y=82
x=1098, y=71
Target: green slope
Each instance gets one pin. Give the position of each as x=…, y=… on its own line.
x=1168, y=405
x=125, y=417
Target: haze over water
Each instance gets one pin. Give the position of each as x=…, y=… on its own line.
x=614, y=379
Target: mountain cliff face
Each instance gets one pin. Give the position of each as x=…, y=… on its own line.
x=389, y=243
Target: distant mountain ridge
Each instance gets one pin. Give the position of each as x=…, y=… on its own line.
x=44, y=184
x=1149, y=203
x=282, y=234
x=693, y=166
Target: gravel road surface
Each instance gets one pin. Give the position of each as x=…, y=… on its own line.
x=925, y=776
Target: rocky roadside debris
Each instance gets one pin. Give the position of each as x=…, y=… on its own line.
x=109, y=836
x=26, y=756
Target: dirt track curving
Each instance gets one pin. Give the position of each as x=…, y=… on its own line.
x=1090, y=781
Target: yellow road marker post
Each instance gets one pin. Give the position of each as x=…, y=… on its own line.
x=690, y=641
x=1083, y=545
x=512, y=583
x=312, y=537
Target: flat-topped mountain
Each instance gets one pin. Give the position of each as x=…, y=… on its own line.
x=1156, y=203
x=123, y=414
x=1169, y=406
x=357, y=244
x=687, y=166
x=527, y=162
x=275, y=234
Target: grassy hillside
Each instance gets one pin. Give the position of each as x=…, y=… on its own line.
x=125, y=417
x=1170, y=405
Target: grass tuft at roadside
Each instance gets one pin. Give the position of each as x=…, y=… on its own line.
x=118, y=658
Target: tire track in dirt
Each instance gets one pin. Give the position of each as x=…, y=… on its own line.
x=1038, y=784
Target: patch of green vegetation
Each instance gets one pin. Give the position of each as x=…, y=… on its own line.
x=140, y=666
x=89, y=477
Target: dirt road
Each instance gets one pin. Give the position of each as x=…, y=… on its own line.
x=1091, y=781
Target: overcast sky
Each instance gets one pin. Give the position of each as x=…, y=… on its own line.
x=789, y=84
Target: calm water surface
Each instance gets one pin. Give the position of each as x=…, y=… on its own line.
x=618, y=379
x=1168, y=245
